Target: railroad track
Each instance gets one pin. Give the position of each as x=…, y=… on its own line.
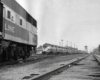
x=32, y=59
x=61, y=67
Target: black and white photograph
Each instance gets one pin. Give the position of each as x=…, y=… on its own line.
x=49, y=39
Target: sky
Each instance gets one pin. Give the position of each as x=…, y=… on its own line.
x=73, y=21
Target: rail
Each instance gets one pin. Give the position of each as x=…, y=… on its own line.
x=59, y=69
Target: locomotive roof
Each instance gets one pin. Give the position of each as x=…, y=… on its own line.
x=48, y=44
x=20, y=10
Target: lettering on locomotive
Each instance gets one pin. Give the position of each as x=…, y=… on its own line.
x=9, y=28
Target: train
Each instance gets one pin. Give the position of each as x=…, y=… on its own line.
x=55, y=49
x=18, y=31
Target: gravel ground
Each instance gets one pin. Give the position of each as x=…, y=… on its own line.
x=34, y=58
x=87, y=69
x=18, y=72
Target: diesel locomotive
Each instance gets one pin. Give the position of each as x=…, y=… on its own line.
x=18, y=31
x=54, y=49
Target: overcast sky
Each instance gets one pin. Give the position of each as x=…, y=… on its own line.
x=76, y=21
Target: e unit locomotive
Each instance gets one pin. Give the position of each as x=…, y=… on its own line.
x=18, y=31
x=54, y=49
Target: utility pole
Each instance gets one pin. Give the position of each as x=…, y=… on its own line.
x=71, y=44
x=62, y=45
x=67, y=46
x=74, y=45
x=67, y=43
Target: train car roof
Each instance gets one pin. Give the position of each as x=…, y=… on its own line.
x=20, y=10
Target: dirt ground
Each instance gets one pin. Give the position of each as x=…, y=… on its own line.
x=17, y=72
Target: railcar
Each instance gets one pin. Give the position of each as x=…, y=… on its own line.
x=54, y=49
x=18, y=31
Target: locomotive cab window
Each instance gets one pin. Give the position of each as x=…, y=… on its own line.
x=8, y=14
x=21, y=22
x=12, y=18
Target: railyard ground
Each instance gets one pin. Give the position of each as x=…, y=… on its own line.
x=87, y=69
x=19, y=71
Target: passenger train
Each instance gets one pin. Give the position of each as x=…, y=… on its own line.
x=18, y=31
x=54, y=49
